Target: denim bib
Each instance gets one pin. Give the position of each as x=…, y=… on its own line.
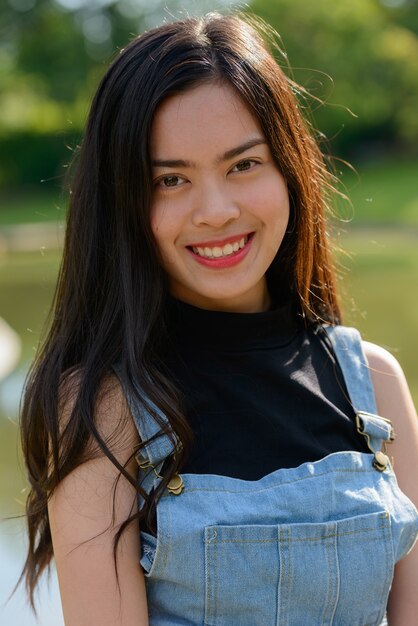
x=306, y=546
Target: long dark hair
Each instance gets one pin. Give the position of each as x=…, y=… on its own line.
x=111, y=293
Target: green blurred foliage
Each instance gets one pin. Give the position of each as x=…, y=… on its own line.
x=39, y=157
x=357, y=55
x=51, y=51
x=353, y=55
x=405, y=12
x=52, y=55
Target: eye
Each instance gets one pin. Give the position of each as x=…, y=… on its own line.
x=169, y=182
x=244, y=165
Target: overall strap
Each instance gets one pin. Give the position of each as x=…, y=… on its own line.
x=151, y=457
x=348, y=349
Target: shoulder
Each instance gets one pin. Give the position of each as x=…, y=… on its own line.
x=394, y=401
x=111, y=413
x=381, y=360
x=389, y=382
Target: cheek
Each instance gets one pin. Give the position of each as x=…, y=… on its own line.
x=272, y=201
x=276, y=213
x=166, y=219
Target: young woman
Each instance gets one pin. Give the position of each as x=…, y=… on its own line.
x=205, y=442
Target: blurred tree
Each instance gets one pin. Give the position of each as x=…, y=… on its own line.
x=51, y=47
x=352, y=55
x=403, y=12
x=52, y=54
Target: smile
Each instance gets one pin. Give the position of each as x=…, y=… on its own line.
x=219, y=257
x=218, y=252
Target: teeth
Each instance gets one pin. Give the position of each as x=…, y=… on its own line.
x=218, y=252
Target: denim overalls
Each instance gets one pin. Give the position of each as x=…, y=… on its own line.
x=313, y=545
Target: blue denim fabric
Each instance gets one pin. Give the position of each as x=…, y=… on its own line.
x=306, y=546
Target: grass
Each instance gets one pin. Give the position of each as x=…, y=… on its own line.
x=27, y=282
x=31, y=206
x=383, y=193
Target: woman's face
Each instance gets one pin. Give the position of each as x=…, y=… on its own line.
x=220, y=205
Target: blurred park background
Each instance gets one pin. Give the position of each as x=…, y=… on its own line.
x=359, y=61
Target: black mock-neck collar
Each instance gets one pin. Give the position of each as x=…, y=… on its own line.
x=201, y=329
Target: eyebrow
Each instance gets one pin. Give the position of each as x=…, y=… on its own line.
x=229, y=154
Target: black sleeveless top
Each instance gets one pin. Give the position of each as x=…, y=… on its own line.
x=261, y=391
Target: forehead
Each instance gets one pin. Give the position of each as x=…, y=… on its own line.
x=208, y=117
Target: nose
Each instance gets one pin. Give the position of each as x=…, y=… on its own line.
x=214, y=206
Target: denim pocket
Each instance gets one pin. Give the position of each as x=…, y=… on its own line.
x=310, y=574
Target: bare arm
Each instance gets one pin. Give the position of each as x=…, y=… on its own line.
x=394, y=402
x=80, y=514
